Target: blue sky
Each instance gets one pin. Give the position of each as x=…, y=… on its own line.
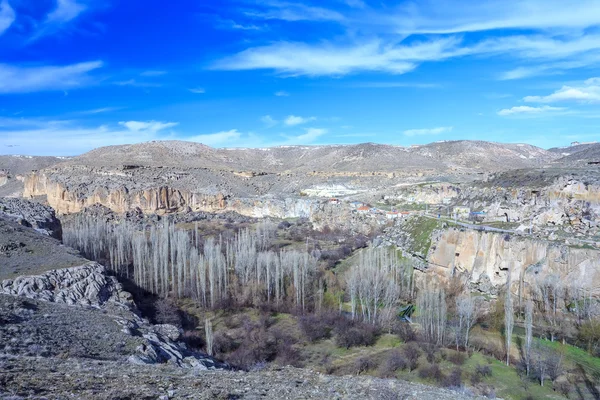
x=78, y=74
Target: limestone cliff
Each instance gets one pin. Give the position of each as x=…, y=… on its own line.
x=160, y=199
x=487, y=257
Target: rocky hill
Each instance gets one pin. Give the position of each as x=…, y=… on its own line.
x=360, y=158
x=177, y=176
x=581, y=154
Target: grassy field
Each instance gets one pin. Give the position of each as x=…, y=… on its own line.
x=420, y=230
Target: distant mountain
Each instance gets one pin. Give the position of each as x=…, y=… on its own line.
x=440, y=156
x=483, y=155
x=580, y=154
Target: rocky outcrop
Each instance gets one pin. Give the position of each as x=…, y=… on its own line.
x=3, y=177
x=85, y=285
x=88, y=286
x=34, y=215
x=485, y=258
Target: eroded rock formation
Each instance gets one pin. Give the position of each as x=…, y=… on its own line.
x=89, y=286
x=487, y=257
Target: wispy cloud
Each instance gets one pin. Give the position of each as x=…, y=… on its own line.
x=135, y=83
x=310, y=135
x=231, y=24
x=65, y=11
x=217, y=139
x=453, y=16
x=527, y=110
x=428, y=131
x=391, y=85
x=293, y=120
x=282, y=93
x=268, y=121
x=7, y=16
x=294, y=59
x=100, y=110
x=153, y=73
x=589, y=92
x=197, y=90
x=68, y=138
x=287, y=11
x=558, y=38
x=355, y=3
x=147, y=126
x=14, y=79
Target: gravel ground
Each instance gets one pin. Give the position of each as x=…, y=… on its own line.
x=53, y=378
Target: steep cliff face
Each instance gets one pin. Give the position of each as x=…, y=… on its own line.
x=157, y=200
x=160, y=200
x=487, y=257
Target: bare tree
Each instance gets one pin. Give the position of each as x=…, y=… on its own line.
x=528, y=333
x=375, y=284
x=465, y=307
x=508, y=316
x=431, y=305
x=208, y=329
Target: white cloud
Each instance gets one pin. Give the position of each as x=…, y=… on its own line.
x=219, y=139
x=526, y=110
x=455, y=16
x=100, y=110
x=153, y=73
x=355, y=3
x=294, y=12
x=197, y=90
x=34, y=79
x=391, y=85
x=293, y=120
x=558, y=37
x=268, y=121
x=149, y=126
x=282, y=93
x=294, y=59
x=428, y=131
x=310, y=135
x=589, y=92
x=7, y=16
x=66, y=10
x=134, y=83
x=231, y=24
x=66, y=138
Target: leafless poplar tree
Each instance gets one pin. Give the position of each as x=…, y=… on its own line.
x=508, y=316
x=528, y=333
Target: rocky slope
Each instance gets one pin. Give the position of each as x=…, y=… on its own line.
x=23, y=251
x=34, y=215
x=86, y=313
x=89, y=379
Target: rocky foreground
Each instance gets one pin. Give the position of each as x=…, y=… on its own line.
x=75, y=333
x=51, y=378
